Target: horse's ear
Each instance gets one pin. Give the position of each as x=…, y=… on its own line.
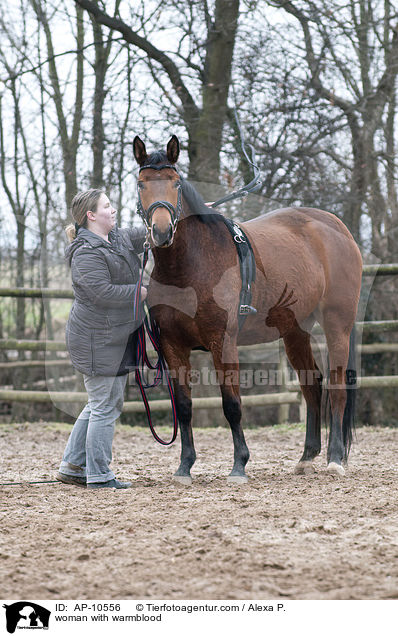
x=173, y=149
x=139, y=151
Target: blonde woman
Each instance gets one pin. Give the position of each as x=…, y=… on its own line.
x=105, y=268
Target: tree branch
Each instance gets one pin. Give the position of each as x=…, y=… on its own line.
x=190, y=110
x=312, y=61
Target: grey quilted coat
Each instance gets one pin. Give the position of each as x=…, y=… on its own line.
x=100, y=328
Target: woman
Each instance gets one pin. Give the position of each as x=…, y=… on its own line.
x=99, y=334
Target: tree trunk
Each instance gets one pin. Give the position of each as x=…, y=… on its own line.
x=357, y=195
x=392, y=218
x=205, y=136
x=100, y=68
x=204, y=125
x=69, y=141
x=20, y=279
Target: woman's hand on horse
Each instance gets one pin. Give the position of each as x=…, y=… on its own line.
x=209, y=204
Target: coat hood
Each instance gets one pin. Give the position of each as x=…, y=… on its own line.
x=85, y=236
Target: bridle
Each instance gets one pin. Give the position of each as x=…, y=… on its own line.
x=175, y=211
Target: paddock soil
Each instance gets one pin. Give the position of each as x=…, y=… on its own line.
x=281, y=536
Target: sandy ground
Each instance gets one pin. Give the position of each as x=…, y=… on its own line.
x=279, y=536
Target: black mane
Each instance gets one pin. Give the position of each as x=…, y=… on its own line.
x=197, y=206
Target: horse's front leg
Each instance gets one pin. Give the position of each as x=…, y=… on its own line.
x=179, y=366
x=228, y=377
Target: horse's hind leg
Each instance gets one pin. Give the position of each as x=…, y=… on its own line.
x=337, y=331
x=228, y=377
x=299, y=352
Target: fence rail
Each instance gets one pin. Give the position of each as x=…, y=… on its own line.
x=36, y=292
x=371, y=327
x=290, y=392
x=288, y=397
x=384, y=269
x=291, y=396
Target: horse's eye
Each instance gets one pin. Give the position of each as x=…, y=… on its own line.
x=177, y=184
x=140, y=185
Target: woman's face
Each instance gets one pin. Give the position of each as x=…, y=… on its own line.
x=104, y=218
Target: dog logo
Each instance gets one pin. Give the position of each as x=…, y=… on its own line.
x=26, y=615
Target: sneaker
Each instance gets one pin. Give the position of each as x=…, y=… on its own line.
x=112, y=483
x=70, y=479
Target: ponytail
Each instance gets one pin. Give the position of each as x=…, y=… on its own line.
x=70, y=232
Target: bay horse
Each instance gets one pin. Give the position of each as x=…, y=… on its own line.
x=308, y=268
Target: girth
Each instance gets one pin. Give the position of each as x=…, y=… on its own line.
x=247, y=265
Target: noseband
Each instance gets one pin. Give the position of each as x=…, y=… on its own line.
x=146, y=214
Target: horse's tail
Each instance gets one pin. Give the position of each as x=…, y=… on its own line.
x=348, y=427
x=351, y=386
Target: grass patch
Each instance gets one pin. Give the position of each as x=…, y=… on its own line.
x=163, y=431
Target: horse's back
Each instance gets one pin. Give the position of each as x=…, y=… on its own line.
x=316, y=234
x=309, y=250
x=297, y=221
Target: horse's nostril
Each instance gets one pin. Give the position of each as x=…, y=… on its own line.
x=156, y=232
x=161, y=237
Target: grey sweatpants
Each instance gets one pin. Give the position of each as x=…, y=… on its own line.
x=88, y=452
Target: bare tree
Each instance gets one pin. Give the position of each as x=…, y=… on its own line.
x=204, y=124
x=13, y=185
x=103, y=47
x=69, y=135
x=342, y=48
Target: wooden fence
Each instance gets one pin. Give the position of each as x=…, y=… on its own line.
x=289, y=395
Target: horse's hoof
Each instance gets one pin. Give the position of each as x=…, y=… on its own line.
x=304, y=468
x=237, y=479
x=184, y=480
x=335, y=469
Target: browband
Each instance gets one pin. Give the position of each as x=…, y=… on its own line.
x=165, y=165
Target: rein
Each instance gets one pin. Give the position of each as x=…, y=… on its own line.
x=150, y=328
x=255, y=184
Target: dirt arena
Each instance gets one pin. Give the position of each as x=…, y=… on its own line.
x=281, y=536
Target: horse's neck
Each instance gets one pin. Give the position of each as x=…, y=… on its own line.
x=176, y=258
x=193, y=248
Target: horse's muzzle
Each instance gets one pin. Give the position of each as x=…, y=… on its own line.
x=162, y=239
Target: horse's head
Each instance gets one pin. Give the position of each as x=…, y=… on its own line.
x=159, y=190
